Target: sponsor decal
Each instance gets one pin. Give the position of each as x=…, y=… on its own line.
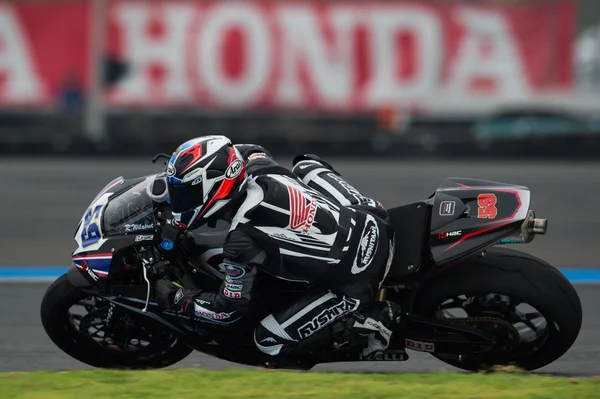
x=90, y=228
x=234, y=169
x=235, y=272
x=378, y=326
x=233, y=287
x=177, y=314
x=327, y=316
x=269, y=340
x=447, y=234
x=89, y=271
x=368, y=246
x=447, y=208
x=419, y=345
x=178, y=296
x=231, y=294
x=135, y=227
x=209, y=314
x=394, y=356
x=197, y=180
x=487, y=206
x=302, y=211
x=283, y=236
x=144, y=238
x=256, y=155
x=170, y=169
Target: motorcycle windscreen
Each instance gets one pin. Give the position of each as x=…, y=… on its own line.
x=130, y=212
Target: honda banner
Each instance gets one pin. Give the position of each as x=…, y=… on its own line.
x=338, y=55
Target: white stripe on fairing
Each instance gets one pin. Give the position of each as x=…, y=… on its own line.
x=91, y=257
x=275, y=208
x=307, y=309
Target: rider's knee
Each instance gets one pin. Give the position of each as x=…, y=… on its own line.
x=267, y=341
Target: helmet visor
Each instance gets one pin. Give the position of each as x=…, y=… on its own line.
x=185, y=197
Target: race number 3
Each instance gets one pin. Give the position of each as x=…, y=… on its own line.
x=90, y=232
x=487, y=206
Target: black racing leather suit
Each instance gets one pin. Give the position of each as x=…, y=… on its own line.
x=306, y=225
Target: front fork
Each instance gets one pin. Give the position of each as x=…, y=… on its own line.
x=382, y=294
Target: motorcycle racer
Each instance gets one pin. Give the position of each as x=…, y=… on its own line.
x=306, y=225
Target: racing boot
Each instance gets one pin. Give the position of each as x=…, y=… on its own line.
x=378, y=322
x=364, y=335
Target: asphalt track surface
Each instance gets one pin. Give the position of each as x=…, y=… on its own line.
x=42, y=201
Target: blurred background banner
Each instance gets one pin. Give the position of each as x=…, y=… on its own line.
x=338, y=55
x=442, y=77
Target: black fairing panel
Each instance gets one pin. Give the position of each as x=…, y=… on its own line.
x=410, y=223
x=469, y=215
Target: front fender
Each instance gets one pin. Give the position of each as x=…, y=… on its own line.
x=79, y=280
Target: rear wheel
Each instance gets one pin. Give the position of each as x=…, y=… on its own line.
x=77, y=324
x=510, y=292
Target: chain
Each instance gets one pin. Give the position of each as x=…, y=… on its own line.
x=514, y=333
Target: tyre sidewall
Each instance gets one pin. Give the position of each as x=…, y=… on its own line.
x=520, y=276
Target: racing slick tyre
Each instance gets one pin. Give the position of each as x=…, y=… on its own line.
x=495, y=286
x=85, y=337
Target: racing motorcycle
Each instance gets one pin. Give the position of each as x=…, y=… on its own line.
x=466, y=298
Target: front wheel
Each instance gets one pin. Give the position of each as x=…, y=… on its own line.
x=528, y=298
x=77, y=323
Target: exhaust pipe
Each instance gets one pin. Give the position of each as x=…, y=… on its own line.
x=531, y=227
x=537, y=225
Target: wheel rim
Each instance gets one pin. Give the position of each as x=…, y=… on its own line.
x=88, y=318
x=532, y=326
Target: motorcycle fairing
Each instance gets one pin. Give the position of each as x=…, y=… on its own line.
x=98, y=240
x=470, y=214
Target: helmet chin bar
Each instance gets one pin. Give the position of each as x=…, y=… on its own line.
x=156, y=188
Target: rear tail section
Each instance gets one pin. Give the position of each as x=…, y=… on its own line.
x=469, y=215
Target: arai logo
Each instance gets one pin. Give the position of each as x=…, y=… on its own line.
x=234, y=169
x=170, y=170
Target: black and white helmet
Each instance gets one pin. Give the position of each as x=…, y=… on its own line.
x=203, y=176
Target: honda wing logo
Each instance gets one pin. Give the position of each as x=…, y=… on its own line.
x=302, y=214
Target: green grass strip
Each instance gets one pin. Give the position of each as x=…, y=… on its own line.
x=266, y=384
